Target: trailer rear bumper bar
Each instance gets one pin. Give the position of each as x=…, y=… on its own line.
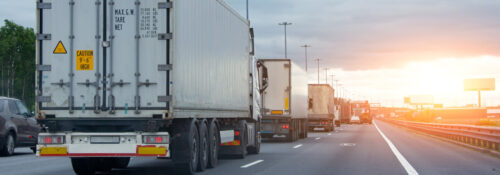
x=103, y=144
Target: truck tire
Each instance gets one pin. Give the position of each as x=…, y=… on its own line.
x=185, y=146
x=121, y=162
x=242, y=150
x=83, y=166
x=214, y=143
x=255, y=149
x=9, y=145
x=203, y=150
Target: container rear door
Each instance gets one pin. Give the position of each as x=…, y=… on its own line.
x=103, y=55
x=137, y=60
x=70, y=60
x=276, y=97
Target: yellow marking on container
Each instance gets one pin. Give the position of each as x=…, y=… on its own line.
x=53, y=151
x=60, y=48
x=275, y=112
x=151, y=150
x=286, y=104
x=84, y=60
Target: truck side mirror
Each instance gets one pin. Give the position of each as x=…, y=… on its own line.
x=264, y=77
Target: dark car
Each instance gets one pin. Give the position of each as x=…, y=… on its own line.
x=18, y=127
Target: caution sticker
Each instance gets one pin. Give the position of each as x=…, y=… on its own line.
x=84, y=60
x=60, y=48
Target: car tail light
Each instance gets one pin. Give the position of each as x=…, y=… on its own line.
x=155, y=139
x=285, y=126
x=236, y=133
x=51, y=140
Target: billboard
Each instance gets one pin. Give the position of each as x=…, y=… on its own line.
x=419, y=100
x=479, y=84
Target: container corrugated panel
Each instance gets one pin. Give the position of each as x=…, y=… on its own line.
x=286, y=94
x=211, y=60
x=116, y=59
x=321, y=98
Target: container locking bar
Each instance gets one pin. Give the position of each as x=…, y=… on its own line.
x=44, y=5
x=164, y=5
x=43, y=67
x=43, y=36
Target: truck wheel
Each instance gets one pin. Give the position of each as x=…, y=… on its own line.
x=83, y=166
x=256, y=148
x=242, y=151
x=121, y=162
x=214, y=143
x=103, y=164
x=9, y=145
x=202, y=163
x=186, y=147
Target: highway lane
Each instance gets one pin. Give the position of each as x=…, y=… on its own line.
x=352, y=149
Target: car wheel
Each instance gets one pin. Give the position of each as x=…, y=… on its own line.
x=10, y=144
x=33, y=149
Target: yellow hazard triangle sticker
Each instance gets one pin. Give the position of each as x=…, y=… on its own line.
x=60, y=48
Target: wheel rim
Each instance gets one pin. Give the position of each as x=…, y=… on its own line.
x=10, y=145
x=214, y=146
x=194, y=151
x=205, y=149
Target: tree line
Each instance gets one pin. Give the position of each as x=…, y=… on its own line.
x=17, y=62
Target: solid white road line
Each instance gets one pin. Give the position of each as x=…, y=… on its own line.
x=252, y=164
x=317, y=138
x=297, y=146
x=406, y=165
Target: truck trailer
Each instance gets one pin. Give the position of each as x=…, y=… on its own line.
x=284, y=111
x=151, y=78
x=321, y=107
x=361, y=110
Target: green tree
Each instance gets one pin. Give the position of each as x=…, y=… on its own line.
x=17, y=62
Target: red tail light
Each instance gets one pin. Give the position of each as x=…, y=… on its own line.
x=285, y=126
x=236, y=133
x=155, y=139
x=48, y=140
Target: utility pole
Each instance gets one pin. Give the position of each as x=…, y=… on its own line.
x=334, y=90
x=285, y=24
x=326, y=75
x=247, y=11
x=318, y=68
x=305, y=46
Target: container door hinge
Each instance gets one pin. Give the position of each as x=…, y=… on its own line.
x=41, y=36
x=164, y=98
x=164, y=36
x=43, y=99
x=164, y=5
x=164, y=67
x=43, y=67
x=44, y=5
x=286, y=65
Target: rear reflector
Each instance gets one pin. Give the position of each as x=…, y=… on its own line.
x=151, y=150
x=277, y=112
x=48, y=151
x=236, y=133
x=233, y=143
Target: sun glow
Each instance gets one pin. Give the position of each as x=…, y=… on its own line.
x=441, y=78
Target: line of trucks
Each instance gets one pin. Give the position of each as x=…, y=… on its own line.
x=171, y=79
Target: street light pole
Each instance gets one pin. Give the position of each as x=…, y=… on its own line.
x=285, y=24
x=247, y=11
x=318, y=68
x=326, y=75
x=305, y=46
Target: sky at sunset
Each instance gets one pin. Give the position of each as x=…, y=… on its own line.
x=380, y=50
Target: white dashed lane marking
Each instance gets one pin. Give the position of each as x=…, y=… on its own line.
x=252, y=164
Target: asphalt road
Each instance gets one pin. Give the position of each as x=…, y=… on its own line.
x=352, y=149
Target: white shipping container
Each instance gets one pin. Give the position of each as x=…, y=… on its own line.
x=286, y=94
x=139, y=58
x=321, y=101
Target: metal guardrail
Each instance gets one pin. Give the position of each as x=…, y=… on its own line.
x=478, y=136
